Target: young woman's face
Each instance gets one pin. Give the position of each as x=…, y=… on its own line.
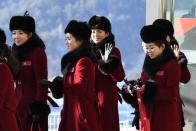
x=20, y=37
x=97, y=35
x=152, y=50
x=71, y=42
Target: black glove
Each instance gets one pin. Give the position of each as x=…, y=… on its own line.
x=56, y=87
x=136, y=118
x=38, y=111
x=150, y=91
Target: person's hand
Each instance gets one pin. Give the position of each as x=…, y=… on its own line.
x=176, y=50
x=108, y=49
x=141, y=89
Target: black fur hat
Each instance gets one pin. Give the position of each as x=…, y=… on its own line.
x=2, y=37
x=80, y=30
x=26, y=23
x=100, y=22
x=151, y=33
x=166, y=25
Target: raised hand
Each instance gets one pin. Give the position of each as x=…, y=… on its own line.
x=176, y=50
x=108, y=49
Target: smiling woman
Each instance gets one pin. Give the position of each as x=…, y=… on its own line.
x=50, y=16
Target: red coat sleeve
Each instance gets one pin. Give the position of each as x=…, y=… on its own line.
x=83, y=75
x=185, y=73
x=41, y=72
x=4, y=82
x=119, y=74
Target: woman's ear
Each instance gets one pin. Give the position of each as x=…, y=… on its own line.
x=168, y=39
x=30, y=34
x=163, y=46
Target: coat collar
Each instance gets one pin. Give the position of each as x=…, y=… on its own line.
x=21, y=51
x=151, y=66
x=69, y=59
x=101, y=45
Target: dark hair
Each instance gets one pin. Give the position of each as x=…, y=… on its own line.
x=38, y=40
x=161, y=42
x=12, y=62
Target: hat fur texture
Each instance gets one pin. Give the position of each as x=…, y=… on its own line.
x=25, y=23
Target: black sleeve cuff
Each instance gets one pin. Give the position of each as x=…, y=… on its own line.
x=150, y=91
x=183, y=61
x=110, y=65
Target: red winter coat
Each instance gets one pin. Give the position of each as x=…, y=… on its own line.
x=107, y=91
x=163, y=113
x=185, y=74
x=8, y=120
x=28, y=89
x=79, y=111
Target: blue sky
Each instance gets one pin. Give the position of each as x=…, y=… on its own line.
x=127, y=18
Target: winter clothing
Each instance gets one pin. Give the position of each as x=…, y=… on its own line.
x=79, y=111
x=167, y=79
x=8, y=121
x=56, y=87
x=185, y=73
x=182, y=60
x=106, y=84
x=78, y=30
x=2, y=37
x=166, y=25
x=100, y=22
x=26, y=23
x=27, y=80
x=37, y=111
x=163, y=113
x=5, y=53
x=151, y=33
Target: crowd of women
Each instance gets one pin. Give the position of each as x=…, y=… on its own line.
x=91, y=69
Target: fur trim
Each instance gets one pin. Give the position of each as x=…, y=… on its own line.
x=79, y=30
x=38, y=110
x=110, y=65
x=151, y=33
x=100, y=22
x=182, y=60
x=56, y=87
x=149, y=92
x=69, y=59
x=151, y=66
x=2, y=37
x=21, y=51
x=11, y=61
x=101, y=45
x=26, y=23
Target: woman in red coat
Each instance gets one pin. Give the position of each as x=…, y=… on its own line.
x=31, y=97
x=8, y=120
x=79, y=111
x=161, y=66
x=109, y=71
x=182, y=60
